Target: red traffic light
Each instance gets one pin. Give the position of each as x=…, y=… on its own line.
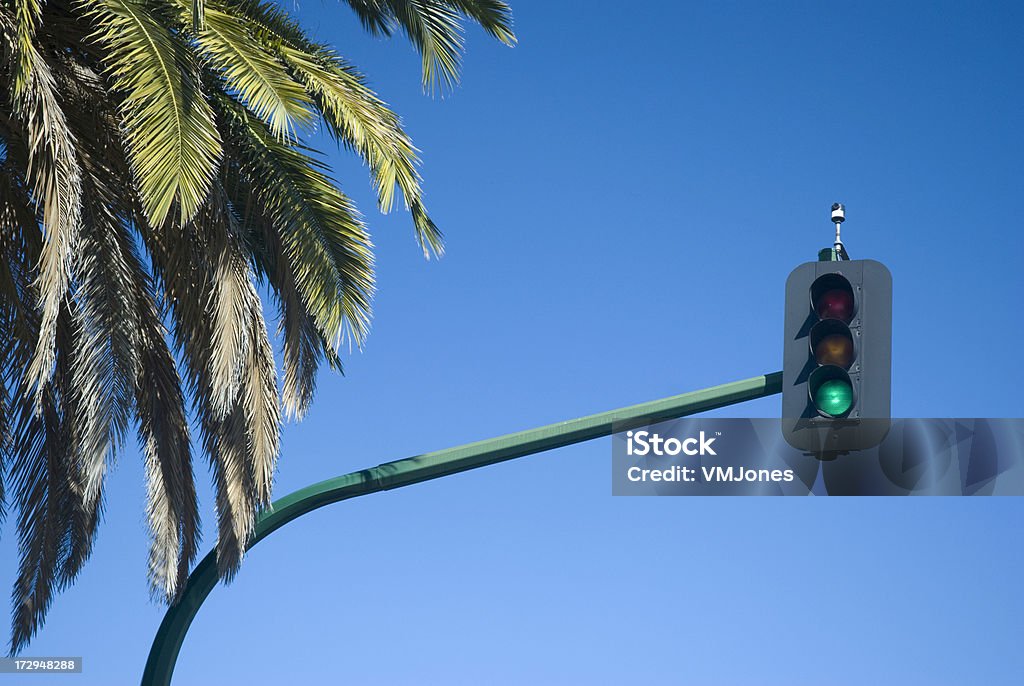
x=832, y=298
x=836, y=304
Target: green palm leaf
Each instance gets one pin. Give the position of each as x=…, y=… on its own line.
x=323, y=238
x=353, y=113
x=171, y=138
x=494, y=16
x=259, y=78
x=435, y=28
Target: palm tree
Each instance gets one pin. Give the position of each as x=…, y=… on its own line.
x=153, y=177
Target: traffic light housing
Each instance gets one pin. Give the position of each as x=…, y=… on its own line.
x=837, y=357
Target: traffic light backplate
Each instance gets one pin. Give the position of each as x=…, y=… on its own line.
x=837, y=356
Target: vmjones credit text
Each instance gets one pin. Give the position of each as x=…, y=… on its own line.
x=691, y=474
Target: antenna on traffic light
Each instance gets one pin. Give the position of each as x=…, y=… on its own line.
x=838, y=217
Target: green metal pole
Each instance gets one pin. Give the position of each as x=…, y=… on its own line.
x=171, y=634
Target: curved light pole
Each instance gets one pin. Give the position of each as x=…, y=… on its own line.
x=169, y=637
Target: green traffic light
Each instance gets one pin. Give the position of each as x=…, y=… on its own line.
x=834, y=397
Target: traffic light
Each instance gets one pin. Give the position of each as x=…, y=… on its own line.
x=837, y=357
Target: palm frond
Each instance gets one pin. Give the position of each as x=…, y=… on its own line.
x=105, y=361
x=101, y=346
x=436, y=31
x=255, y=376
x=172, y=509
x=494, y=16
x=233, y=304
x=374, y=15
x=172, y=143
x=21, y=29
x=303, y=350
x=18, y=322
x=355, y=116
x=303, y=346
x=323, y=238
x=52, y=173
x=353, y=113
x=42, y=494
x=435, y=28
x=260, y=79
x=123, y=350
x=261, y=409
x=81, y=421
x=191, y=282
x=236, y=505
x=20, y=245
x=55, y=526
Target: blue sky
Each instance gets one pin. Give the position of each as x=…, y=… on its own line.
x=623, y=195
